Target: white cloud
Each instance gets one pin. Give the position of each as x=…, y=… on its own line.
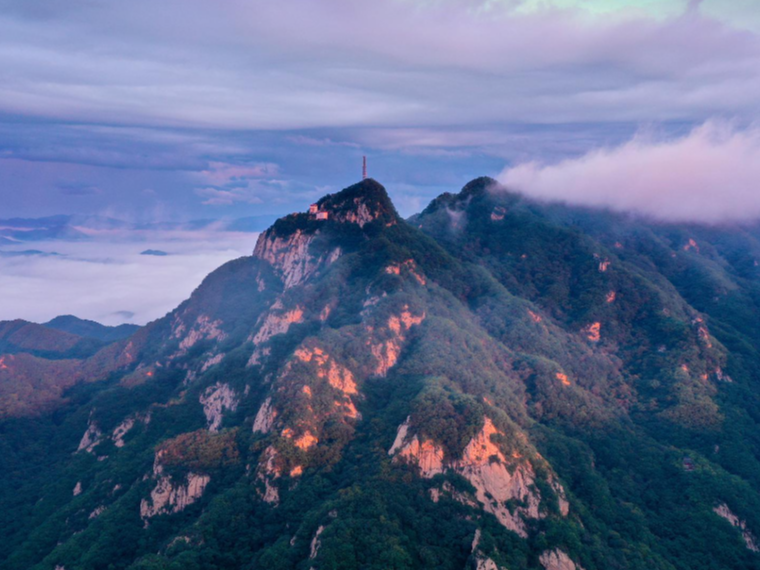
x=108, y=280
x=710, y=175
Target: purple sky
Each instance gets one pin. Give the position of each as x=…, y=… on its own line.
x=191, y=109
x=195, y=109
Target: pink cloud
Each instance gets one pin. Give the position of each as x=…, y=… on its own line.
x=710, y=175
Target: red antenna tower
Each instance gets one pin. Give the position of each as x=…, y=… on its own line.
x=364, y=168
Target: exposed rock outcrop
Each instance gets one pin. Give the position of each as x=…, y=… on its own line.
x=212, y=361
x=703, y=332
x=723, y=511
x=401, y=434
x=496, y=479
x=593, y=332
x=182, y=468
x=360, y=214
x=338, y=376
x=386, y=351
x=485, y=563
x=482, y=562
x=268, y=472
x=691, y=244
x=215, y=400
x=121, y=430
x=169, y=497
x=409, y=267
x=304, y=442
x=265, y=417
x=277, y=321
x=203, y=329
x=558, y=560
x=290, y=256
x=92, y=437
x=97, y=512
x=315, y=544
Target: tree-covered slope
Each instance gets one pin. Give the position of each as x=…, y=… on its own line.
x=493, y=384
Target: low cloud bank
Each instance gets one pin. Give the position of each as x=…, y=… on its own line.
x=110, y=281
x=710, y=175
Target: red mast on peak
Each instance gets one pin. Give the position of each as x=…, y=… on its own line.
x=364, y=168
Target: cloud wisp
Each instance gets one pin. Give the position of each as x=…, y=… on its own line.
x=710, y=175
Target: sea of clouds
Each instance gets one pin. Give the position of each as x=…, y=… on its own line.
x=108, y=280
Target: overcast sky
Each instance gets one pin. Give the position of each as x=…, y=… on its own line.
x=194, y=108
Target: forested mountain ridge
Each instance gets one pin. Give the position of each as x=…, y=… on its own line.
x=91, y=329
x=495, y=383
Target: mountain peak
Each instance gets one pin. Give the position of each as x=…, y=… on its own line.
x=363, y=207
x=360, y=203
x=478, y=186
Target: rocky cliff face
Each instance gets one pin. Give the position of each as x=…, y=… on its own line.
x=216, y=400
x=291, y=257
x=171, y=497
x=496, y=479
x=724, y=512
x=91, y=437
x=558, y=560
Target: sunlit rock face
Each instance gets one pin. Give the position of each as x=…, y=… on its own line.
x=386, y=348
x=496, y=479
x=277, y=321
x=408, y=266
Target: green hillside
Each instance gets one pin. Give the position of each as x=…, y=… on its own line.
x=494, y=383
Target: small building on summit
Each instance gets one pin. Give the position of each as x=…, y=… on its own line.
x=317, y=213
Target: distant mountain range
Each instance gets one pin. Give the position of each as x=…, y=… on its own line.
x=492, y=384
x=62, y=338
x=15, y=230
x=90, y=329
